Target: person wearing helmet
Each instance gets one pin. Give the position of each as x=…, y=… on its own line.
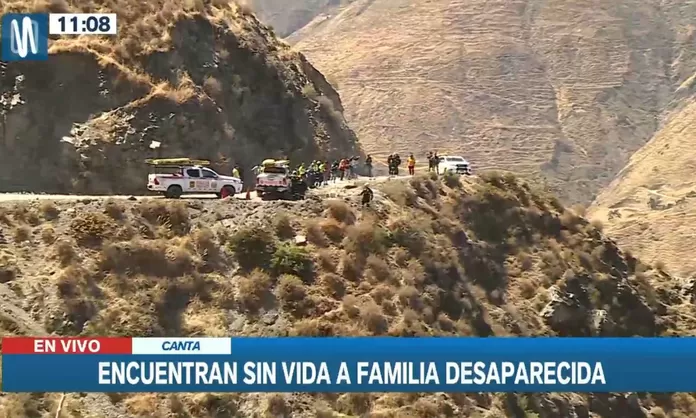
x=367, y=195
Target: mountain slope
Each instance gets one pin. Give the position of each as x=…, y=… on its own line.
x=650, y=208
x=566, y=88
x=431, y=257
x=288, y=17
x=205, y=80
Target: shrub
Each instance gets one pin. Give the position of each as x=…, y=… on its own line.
x=205, y=241
x=33, y=218
x=351, y=269
x=21, y=233
x=340, y=211
x=283, y=227
x=333, y=229
x=452, y=180
x=48, y=234
x=8, y=268
x=378, y=268
x=91, y=228
x=254, y=289
x=350, y=306
x=276, y=405
x=375, y=322
x=333, y=284
x=49, y=210
x=253, y=247
x=326, y=260
x=65, y=252
x=291, y=259
x=315, y=235
x=366, y=238
x=291, y=290
x=172, y=215
x=407, y=235
x=113, y=209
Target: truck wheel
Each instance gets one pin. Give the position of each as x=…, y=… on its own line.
x=259, y=193
x=228, y=191
x=173, y=192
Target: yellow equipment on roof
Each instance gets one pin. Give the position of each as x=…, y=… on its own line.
x=176, y=161
x=275, y=163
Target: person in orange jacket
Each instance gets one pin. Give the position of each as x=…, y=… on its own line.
x=343, y=167
x=411, y=165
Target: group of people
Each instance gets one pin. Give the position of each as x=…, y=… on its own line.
x=433, y=162
x=321, y=172
x=394, y=161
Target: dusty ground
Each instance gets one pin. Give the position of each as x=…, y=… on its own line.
x=474, y=256
x=651, y=206
x=567, y=88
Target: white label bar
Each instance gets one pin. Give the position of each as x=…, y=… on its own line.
x=182, y=346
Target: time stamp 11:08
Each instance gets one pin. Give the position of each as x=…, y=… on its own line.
x=82, y=24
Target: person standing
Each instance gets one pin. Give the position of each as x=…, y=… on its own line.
x=334, y=171
x=368, y=165
x=411, y=165
x=343, y=167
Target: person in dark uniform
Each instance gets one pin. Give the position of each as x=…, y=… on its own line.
x=367, y=195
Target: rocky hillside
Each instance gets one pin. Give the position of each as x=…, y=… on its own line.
x=204, y=79
x=569, y=89
x=651, y=206
x=431, y=257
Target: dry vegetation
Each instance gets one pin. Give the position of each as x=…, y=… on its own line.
x=433, y=257
x=651, y=206
x=566, y=88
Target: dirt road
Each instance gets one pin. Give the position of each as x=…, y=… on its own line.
x=331, y=188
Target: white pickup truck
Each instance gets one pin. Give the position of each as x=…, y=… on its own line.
x=454, y=164
x=174, y=177
x=273, y=178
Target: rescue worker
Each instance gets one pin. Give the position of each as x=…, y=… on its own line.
x=411, y=165
x=390, y=164
x=334, y=171
x=397, y=163
x=436, y=163
x=301, y=170
x=298, y=187
x=235, y=172
x=367, y=195
x=343, y=167
x=325, y=172
x=352, y=168
x=430, y=161
x=368, y=165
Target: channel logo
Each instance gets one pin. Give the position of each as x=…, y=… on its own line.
x=25, y=37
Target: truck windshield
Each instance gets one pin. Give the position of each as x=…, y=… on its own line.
x=274, y=170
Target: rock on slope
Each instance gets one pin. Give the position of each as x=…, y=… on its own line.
x=433, y=257
x=567, y=88
x=205, y=80
x=650, y=207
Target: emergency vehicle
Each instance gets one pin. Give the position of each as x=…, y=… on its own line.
x=454, y=164
x=273, y=178
x=174, y=177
